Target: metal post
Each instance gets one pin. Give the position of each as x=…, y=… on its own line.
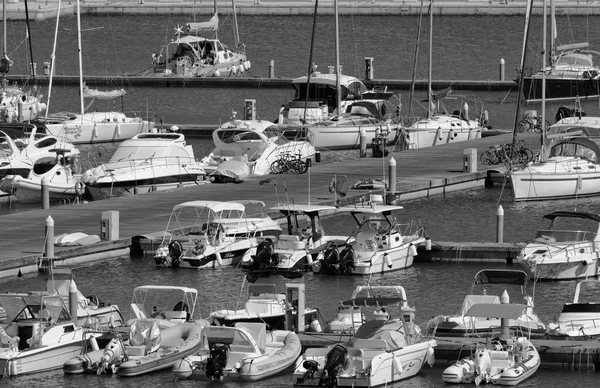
x=49, y=246
x=271, y=68
x=502, y=69
x=392, y=175
x=500, y=225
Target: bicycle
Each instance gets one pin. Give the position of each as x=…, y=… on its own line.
x=532, y=123
x=287, y=162
x=503, y=153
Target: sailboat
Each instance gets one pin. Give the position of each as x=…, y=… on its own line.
x=192, y=55
x=16, y=104
x=92, y=127
x=439, y=127
x=571, y=73
x=570, y=169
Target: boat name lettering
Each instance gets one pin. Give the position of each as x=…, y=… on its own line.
x=75, y=130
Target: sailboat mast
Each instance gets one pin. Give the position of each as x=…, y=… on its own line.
x=236, y=32
x=522, y=75
x=80, y=59
x=554, y=33
x=429, y=91
x=52, y=61
x=214, y=13
x=338, y=90
x=544, y=53
x=414, y=74
x=4, y=30
x=310, y=58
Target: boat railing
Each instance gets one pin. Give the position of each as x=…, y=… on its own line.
x=583, y=324
x=148, y=163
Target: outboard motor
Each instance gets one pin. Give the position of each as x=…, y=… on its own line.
x=217, y=361
x=264, y=255
x=331, y=259
x=336, y=359
x=311, y=367
x=175, y=253
x=346, y=265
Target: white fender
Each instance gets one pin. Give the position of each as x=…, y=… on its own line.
x=309, y=258
x=412, y=250
x=94, y=343
x=217, y=73
x=94, y=131
x=397, y=364
x=451, y=134
x=439, y=133
x=430, y=358
x=118, y=129
x=234, y=70
x=388, y=261
x=219, y=260
x=249, y=65
x=242, y=69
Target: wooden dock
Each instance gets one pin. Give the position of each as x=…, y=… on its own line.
x=420, y=173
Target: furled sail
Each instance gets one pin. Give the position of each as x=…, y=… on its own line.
x=102, y=95
x=211, y=25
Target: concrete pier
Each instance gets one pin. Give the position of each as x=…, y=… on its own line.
x=43, y=10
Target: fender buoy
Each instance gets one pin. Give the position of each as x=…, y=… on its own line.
x=80, y=188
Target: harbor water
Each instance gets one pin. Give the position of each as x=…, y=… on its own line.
x=464, y=48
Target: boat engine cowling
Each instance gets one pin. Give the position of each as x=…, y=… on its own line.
x=346, y=265
x=175, y=253
x=335, y=361
x=217, y=362
x=265, y=257
x=331, y=259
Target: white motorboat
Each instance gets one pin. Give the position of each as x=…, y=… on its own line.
x=294, y=250
x=578, y=319
x=565, y=247
x=183, y=299
x=384, y=349
x=91, y=311
x=463, y=325
x=23, y=145
x=507, y=359
x=148, y=161
x=208, y=234
x=36, y=334
x=192, y=55
x=570, y=171
x=259, y=143
x=378, y=244
x=63, y=185
x=263, y=304
x=243, y=352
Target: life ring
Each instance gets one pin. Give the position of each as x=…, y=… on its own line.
x=80, y=188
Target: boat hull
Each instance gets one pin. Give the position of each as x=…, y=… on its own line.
x=167, y=356
x=98, y=130
x=30, y=190
x=559, y=88
x=340, y=136
x=35, y=360
x=432, y=133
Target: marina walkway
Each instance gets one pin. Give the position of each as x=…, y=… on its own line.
x=423, y=172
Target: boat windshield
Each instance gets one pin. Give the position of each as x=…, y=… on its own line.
x=575, y=59
x=235, y=135
x=567, y=229
x=574, y=150
x=21, y=308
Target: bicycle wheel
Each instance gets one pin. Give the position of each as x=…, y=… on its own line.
x=525, y=125
x=297, y=166
x=489, y=158
x=526, y=155
x=277, y=166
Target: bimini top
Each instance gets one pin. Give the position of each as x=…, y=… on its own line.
x=576, y=147
x=187, y=290
x=370, y=209
x=494, y=310
x=302, y=208
x=330, y=79
x=500, y=276
x=585, y=215
x=215, y=206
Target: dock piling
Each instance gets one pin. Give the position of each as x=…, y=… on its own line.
x=502, y=69
x=271, y=68
x=49, y=244
x=500, y=225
